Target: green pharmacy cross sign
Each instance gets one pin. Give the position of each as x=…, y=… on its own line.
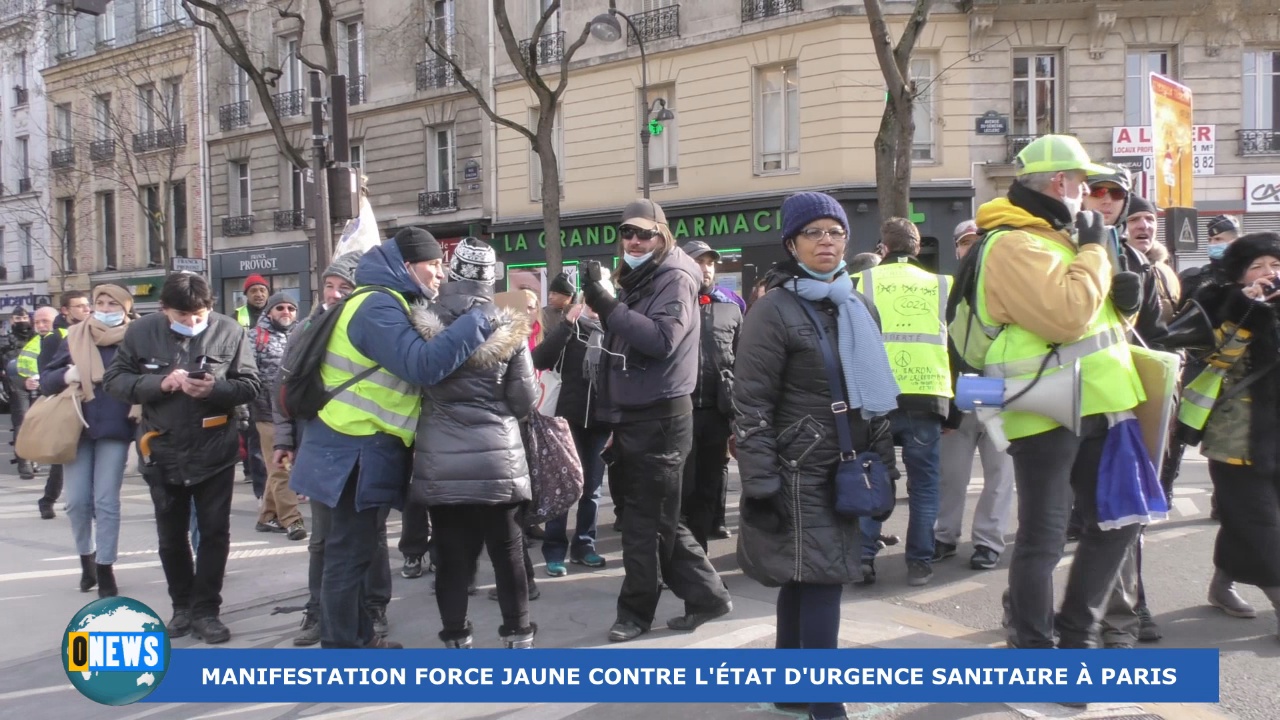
x=655, y=128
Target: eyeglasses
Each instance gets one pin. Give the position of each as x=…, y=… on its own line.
x=627, y=232
x=286, y=308
x=815, y=234
x=1101, y=191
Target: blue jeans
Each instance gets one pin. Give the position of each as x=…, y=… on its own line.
x=254, y=464
x=918, y=433
x=93, y=482
x=809, y=619
x=349, y=550
x=590, y=443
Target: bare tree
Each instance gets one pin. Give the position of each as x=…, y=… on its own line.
x=897, y=124
x=527, y=61
x=261, y=71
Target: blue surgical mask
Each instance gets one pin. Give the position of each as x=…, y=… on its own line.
x=1217, y=251
x=635, y=262
x=111, y=319
x=186, y=331
x=823, y=276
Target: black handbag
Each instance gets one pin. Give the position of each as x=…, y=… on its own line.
x=863, y=486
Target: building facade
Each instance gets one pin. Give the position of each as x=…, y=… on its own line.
x=25, y=258
x=415, y=133
x=126, y=178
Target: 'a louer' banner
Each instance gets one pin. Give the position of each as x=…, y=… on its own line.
x=697, y=676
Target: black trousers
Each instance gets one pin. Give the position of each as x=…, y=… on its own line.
x=461, y=532
x=613, y=476
x=706, y=473
x=415, y=529
x=656, y=545
x=52, y=487
x=197, y=588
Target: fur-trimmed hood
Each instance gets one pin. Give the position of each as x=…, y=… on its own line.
x=510, y=330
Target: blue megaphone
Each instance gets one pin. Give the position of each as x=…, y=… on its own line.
x=1055, y=395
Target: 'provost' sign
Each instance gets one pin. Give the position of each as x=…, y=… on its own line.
x=699, y=226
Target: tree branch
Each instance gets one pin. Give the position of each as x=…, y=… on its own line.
x=568, y=58
x=910, y=34
x=474, y=91
x=526, y=66
x=885, y=53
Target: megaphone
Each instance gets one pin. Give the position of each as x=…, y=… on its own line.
x=1192, y=328
x=1055, y=395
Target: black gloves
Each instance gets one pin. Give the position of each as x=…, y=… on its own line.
x=597, y=298
x=1126, y=292
x=766, y=513
x=1091, y=228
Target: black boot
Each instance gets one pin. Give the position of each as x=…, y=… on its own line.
x=88, y=572
x=457, y=639
x=106, y=582
x=518, y=638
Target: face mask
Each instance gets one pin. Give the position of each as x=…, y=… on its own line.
x=185, y=331
x=1074, y=205
x=1216, y=251
x=635, y=262
x=111, y=319
x=823, y=276
x=425, y=289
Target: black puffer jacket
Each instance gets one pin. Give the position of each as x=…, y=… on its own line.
x=564, y=348
x=721, y=320
x=787, y=445
x=468, y=449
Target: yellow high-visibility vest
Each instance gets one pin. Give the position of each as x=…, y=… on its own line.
x=912, y=303
x=381, y=402
x=29, y=356
x=1110, y=381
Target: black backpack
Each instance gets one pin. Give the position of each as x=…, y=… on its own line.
x=302, y=393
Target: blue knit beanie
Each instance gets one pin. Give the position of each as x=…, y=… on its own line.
x=803, y=208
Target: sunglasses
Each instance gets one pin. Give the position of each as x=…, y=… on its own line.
x=1101, y=192
x=626, y=232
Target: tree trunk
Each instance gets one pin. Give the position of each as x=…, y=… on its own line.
x=551, y=206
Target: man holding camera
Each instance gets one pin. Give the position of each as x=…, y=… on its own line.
x=651, y=351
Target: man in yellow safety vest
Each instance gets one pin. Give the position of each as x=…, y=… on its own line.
x=1046, y=279
x=912, y=303
x=357, y=456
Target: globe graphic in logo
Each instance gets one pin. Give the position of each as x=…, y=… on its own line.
x=102, y=619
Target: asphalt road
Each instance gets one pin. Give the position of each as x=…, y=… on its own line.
x=267, y=576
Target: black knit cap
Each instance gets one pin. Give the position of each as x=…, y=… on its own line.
x=1139, y=204
x=561, y=284
x=417, y=245
x=1247, y=248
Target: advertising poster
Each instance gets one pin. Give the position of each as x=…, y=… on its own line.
x=1173, y=142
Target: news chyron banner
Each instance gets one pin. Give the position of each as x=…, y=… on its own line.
x=117, y=652
x=1173, y=142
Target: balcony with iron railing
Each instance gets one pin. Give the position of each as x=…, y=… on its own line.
x=1252, y=143
x=655, y=24
x=434, y=202
x=357, y=89
x=1013, y=145
x=233, y=115
x=237, y=225
x=102, y=150
x=435, y=72
x=62, y=159
x=20, y=96
x=761, y=9
x=24, y=185
x=162, y=28
x=289, y=103
x=161, y=139
x=289, y=220
x=550, y=48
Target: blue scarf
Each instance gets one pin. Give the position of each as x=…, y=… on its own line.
x=867, y=377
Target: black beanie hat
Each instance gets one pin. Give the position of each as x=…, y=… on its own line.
x=560, y=284
x=1139, y=204
x=417, y=245
x=1247, y=248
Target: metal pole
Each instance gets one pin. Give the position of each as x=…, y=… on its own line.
x=323, y=252
x=644, y=93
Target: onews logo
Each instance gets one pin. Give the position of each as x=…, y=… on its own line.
x=115, y=651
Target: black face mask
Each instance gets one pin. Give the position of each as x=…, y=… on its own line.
x=23, y=330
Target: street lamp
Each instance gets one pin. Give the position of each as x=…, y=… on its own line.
x=606, y=28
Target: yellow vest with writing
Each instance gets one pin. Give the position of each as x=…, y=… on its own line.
x=912, y=303
x=1110, y=381
x=381, y=402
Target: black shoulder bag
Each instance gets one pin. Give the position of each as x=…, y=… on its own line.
x=863, y=488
